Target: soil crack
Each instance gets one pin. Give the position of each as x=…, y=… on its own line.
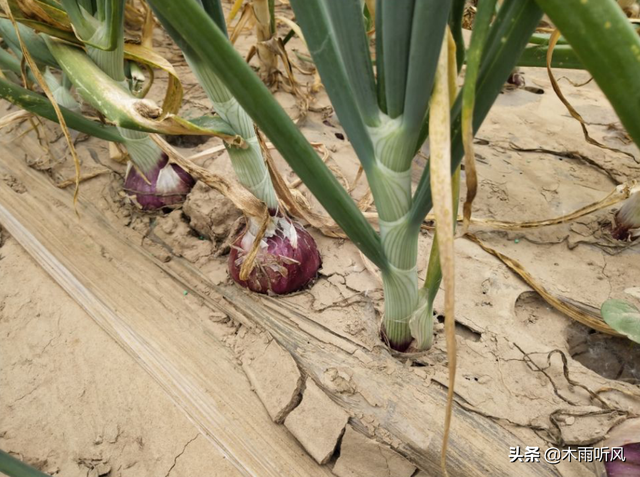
x=175, y=459
x=27, y=394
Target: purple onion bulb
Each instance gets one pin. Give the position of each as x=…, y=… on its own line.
x=288, y=258
x=625, y=439
x=630, y=467
x=627, y=219
x=516, y=79
x=167, y=186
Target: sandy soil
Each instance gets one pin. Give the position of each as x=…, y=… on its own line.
x=74, y=403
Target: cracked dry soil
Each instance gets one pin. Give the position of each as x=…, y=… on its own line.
x=75, y=404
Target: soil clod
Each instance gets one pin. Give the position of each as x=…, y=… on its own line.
x=317, y=423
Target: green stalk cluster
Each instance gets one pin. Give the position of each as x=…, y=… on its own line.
x=248, y=162
x=287, y=258
x=11, y=64
x=383, y=113
x=384, y=109
x=142, y=150
x=99, y=78
x=103, y=27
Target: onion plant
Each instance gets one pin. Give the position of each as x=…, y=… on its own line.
x=388, y=108
x=288, y=257
x=381, y=95
x=284, y=256
x=150, y=180
x=266, y=47
x=385, y=109
x=263, y=10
